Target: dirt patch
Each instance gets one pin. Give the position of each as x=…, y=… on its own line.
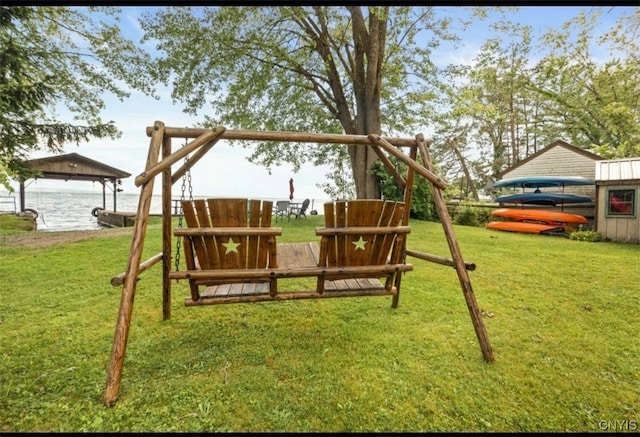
x=44, y=239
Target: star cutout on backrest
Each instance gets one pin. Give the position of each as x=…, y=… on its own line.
x=360, y=243
x=231, y=246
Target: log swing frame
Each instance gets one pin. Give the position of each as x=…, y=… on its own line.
x=160, y=159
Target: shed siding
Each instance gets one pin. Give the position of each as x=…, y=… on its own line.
x=620, y=229
x=559, y=161
x=617, y=174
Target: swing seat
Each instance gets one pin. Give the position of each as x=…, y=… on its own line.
x=361, y=244
x=231, y=237
x=232, y=259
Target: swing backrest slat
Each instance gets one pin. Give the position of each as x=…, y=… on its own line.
x=220, y=238
x=362, y=233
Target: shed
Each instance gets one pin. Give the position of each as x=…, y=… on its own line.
x=617, y=184
x=76, y=167
x=560, y=159
x=557, y=159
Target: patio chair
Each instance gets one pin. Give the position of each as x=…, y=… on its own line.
x=282, y=209
x=300, y=211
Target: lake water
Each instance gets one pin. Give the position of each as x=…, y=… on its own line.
x=71, y=210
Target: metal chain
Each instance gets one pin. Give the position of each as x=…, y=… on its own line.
x=186, y=177
x=189, y=179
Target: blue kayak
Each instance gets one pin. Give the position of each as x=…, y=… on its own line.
x=543, y=182
x=543, y=198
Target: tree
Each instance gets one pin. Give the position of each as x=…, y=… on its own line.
x=41, y=67
x=350, y=70
x=595, y=102
x=505, y=105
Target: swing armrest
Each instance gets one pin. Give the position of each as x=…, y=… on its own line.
x=226, y=231
x=362, y=230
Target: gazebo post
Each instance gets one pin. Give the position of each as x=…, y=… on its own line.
x=104, y=194
x=21, y=195
x=113, y=181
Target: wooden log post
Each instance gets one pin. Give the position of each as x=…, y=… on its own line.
x=283, y=136
x=201, y=152
x=437, y=259
x=123, y=323
x=167, y=183
x=389, y=166
x=427, y=173
x=408, y=196
x=461, y=269
x=118, y=280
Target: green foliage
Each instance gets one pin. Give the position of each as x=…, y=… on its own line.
x=301, y=69
x=327, y=365
x=422, y=205
x=5, y=174
x=483, y=216
x=501, y=108
x=465, y=215
x=595, y=102
x=10, y=223
x=581, y=235
x=468, y=214
x=42, y=66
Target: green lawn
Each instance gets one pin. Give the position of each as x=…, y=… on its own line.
x=564, y=330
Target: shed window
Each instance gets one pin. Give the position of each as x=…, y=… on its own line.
x=621, y=202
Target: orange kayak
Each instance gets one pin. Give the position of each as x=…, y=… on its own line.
x=526, y=228
x=548, y=217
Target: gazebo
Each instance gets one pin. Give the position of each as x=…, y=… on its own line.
x=75, y=167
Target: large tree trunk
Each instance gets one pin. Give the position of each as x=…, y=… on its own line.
x=365, y=66
x=362, y=158
x=368, y=59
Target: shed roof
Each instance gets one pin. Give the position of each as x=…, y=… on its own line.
x=73, y=166
x=557, y=143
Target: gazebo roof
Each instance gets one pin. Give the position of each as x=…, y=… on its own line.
x=73, y=166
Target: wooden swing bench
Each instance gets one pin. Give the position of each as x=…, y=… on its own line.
x=231, y=253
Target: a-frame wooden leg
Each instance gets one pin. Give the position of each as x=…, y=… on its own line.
x=460, y=267
x=133, y=269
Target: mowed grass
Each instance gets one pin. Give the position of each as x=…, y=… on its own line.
x=564, y=329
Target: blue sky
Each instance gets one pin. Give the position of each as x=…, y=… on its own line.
x=225, y=171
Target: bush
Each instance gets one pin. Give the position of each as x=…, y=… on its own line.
x=469, y=215
x=592, y=236
x=465, y=216
x=422, y=204
x=483, y=216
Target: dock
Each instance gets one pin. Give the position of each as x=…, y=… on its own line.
x=112, y=219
